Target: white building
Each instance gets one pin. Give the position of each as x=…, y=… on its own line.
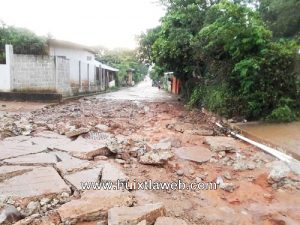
x=69, y=69
x=84, y=69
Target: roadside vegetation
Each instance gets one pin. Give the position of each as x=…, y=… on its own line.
x=23, y=40
x=235, y=58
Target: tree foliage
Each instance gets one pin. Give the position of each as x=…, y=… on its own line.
x=282, y=17
x=226, y=57
x=24, y=41
x=123, y=60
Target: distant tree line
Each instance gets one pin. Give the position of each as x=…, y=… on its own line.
x=236, y=58
x=123, y=59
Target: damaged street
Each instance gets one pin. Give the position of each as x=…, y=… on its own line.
x=139, y=133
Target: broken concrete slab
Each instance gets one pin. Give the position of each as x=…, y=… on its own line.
x=38, y=182
x=199, y=154
x=156, y=157
x=63, y=161
x=112, y=172
x=134, y=215
x=94, y=205
x=219, y=143
x=90, y=175
x=77, y=132
x=39, y=158
x=10, y=149
x=11, y=171
x=85, y=148
x=279, y=171
x=67, y=164
x=169, y=220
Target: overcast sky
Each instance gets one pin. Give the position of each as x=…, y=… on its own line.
x=110, y=23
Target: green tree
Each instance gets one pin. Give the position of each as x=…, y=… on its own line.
x=282, y=17
x=24, y=41
x=123, y=60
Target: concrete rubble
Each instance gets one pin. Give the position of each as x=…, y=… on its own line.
x=53, y=159
x=135, y=215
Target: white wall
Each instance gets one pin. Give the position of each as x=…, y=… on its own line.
x=5, y=70
x=75, y=55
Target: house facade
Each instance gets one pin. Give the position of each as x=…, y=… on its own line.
x=69, y=69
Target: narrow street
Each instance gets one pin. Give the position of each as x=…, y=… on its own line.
x=51, y=153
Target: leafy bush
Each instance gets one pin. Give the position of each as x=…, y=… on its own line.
x=282, y=114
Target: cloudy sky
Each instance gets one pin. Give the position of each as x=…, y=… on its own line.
x=110, y=23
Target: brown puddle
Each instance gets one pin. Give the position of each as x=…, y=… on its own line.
x=284, y=136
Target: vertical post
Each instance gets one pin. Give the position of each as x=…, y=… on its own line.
x=80, y=84
x=9, y=54
x=56, y=72
x=88, y=76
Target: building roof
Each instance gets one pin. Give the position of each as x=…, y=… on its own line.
x=68, y=44
x=104, y=66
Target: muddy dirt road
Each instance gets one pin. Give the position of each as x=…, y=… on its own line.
x=49, y=157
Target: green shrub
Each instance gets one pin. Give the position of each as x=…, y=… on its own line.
x=282, y=114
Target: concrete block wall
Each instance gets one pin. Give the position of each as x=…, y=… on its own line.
x=33, y=73
x=63, y=85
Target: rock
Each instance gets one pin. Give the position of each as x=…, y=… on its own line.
x=32, y=207
x=65, y=195
x=45, y=201
x=94, y=205
x=120, y=161
x=279, y=171
x=219, y=143
x=77, y=132
x=125, y=156
x=101, y=157
x=102, y=127
x=251, y=166
x=9, y=214
x=156, y=157
x=240, y=165
x=197, y=154
x=164, y=144
x=227, y=175
x=229, y=187
x=180, y=172
x=134, y=215
x=137, y=151
x=169, y=221
x=51, y=218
